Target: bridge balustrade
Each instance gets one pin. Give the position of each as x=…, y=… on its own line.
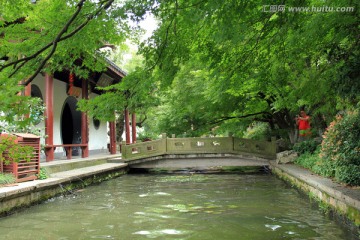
x=199, y=145
x=144, y=149
x=212, y=145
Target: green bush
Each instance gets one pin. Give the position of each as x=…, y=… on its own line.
x=341, y=147
x=324, y=168
x=6, y=178
x=14, y=151
x=308, y=146
x=313, y=162
x=258, y=131
x=307, y=160
x=43, y=174
x=348, y=174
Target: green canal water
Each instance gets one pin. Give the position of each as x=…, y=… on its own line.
x=199, y=207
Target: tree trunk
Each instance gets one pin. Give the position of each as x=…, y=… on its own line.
x=293, y=135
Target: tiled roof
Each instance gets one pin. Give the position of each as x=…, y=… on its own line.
x=112, y=66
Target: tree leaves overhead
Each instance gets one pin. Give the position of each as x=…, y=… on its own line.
x=263, y=65
x=58, y=33
x=210, y=64
x=52, y=35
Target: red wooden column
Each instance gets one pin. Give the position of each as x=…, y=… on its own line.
x=27, y=90
x=84, y=122
x=127, y=126
x=112, y=137
x=133, y=127
x=49, y=116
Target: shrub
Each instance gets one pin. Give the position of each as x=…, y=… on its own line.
x=6, y=178
x=341, y=147
x=10, y=150
x=146, y=136
x=307, y=160
x=258, y=131
x=308, y=146
x=43, y=174
x=348, y=174
x=324, y=168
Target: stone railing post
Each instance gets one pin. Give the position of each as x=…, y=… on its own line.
x=164, y=136
x=231, y=137
x=123, y=149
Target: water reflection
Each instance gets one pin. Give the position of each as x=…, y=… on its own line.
x=177, y=207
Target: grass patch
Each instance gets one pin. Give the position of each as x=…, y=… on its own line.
x=7, y=178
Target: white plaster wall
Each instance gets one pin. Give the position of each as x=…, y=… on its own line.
x=98, y=138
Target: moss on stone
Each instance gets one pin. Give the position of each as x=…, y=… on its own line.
x=323, y=199
x=10, y=206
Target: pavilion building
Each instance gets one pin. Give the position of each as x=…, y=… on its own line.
x=71, y=132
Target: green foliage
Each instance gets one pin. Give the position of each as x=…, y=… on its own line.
x=313, y=162
x=341, y=147
x=210, y=68
x=324, y=168
x=7, y=178
x=307, y=160
x=349, y=174
x=132, y=93
x=146, y=136
x=226, y=64
x=309, y=146
x=258, y=131
x=22, y=116
x=11, y=151
x=43, y=174
x=51, y=36
x=339, y=154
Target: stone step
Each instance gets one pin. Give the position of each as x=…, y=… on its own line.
x=67, y=165
x=79, y=173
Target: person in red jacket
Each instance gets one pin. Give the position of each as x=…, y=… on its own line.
x=303, y=122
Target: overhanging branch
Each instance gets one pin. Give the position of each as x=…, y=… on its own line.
x=59, y=37
x=237, y=117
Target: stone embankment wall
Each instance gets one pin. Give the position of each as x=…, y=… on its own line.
x=334, y=197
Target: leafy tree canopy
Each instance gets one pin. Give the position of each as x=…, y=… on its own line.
x=53, y=35
x=210, y=64
x=231, y=62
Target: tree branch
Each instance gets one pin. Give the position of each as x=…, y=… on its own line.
x=59, y=37
x=53, y=43
x=237, y=117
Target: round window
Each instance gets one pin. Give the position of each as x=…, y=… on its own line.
x=96, y=123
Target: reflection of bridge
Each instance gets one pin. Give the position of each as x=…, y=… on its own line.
x=200, y=153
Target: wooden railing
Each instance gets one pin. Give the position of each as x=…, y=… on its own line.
x=215, y=145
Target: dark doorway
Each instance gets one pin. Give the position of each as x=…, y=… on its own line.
x=71, y=124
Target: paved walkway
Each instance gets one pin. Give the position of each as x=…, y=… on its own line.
x=63, y=176
x=100, y=156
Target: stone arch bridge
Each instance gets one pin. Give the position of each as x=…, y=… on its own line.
x=199, y=154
